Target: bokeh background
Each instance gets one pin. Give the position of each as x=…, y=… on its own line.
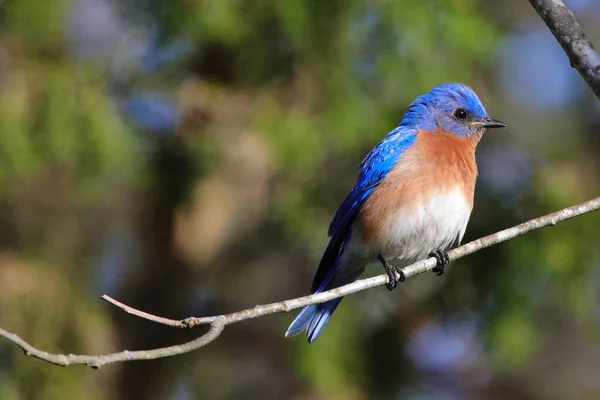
x=186, y=157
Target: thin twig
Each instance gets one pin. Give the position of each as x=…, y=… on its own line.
x=218, y=323
x=142, y=314
x=568, y=33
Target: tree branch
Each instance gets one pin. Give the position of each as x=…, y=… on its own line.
x=64, y=360
x=218, y=323
x=563, y=25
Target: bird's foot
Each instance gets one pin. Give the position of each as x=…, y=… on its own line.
x=442, y=260
x=394, y=274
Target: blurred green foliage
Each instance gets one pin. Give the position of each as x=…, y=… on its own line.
x=278, y=103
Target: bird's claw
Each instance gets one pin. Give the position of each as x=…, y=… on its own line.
x=442, y=260
x=394, y=274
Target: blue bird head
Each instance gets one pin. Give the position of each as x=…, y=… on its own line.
x=453, y=107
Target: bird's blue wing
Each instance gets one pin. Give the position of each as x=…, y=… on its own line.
x=373, y=170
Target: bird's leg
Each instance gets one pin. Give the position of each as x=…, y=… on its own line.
x=442, y=260
x=392, y=273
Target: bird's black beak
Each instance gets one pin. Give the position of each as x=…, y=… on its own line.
x=492, y=123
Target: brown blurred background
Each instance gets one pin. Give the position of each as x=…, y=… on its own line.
x=186, y=157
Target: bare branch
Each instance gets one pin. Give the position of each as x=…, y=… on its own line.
x=64, y=360
x=142, y=314
x=564, y=27
x=218, y=323
x=414, y=269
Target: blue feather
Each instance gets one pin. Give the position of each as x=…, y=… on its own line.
x=313, y=318
x=373, y=170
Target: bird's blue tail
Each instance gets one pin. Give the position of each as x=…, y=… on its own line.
x=312, y=318
x=337, y=268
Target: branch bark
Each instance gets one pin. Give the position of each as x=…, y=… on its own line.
x=218, y=323
x=563, y=25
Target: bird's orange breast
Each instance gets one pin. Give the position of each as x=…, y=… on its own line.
x=438, y=162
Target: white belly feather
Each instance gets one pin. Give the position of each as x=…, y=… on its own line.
x=436, y=224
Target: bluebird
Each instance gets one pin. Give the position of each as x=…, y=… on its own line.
x=412, y=200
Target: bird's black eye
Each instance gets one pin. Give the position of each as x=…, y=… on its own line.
x=460, y=114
